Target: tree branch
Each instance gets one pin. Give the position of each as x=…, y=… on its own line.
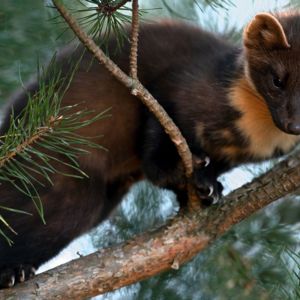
x=134, y=39
x=137, y=89
x=174, y=244
x=40, y=132
x=107, y=9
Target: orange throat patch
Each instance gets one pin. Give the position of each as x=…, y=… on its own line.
x=256, y=123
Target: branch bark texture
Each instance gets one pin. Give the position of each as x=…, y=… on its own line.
x=137, y=89
x=154, y=252
x=134, y=40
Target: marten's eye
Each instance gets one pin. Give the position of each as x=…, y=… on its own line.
x=278, y=82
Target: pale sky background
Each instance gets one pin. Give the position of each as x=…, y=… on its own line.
x=238, y=15
x=244, y=10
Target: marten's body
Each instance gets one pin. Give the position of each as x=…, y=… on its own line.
x=207, y=86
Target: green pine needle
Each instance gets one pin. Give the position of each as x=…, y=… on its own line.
x=44, y=129
x=101, y=20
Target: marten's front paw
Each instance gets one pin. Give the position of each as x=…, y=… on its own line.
x=208, y=189
x=10, y=276
x=210, y=192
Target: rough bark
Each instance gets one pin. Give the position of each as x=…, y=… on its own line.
x=134, y=40
x=166, y=248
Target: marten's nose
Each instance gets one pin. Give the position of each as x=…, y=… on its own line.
x=294, y=127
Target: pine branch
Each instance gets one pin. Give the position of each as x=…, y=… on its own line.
x=164, y=249
x=138, y=90
x=105, y=18
x=40, y=132
x=41, y=139
x=134, y=39
x=108, y=8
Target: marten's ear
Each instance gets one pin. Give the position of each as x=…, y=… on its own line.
x=265, y=31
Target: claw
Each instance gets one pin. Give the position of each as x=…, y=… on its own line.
x=216, y=200
x=32, y=272
x=211, y=191
x=206, y=161
x=11, y=282
x=202, y=162
x=22, y=276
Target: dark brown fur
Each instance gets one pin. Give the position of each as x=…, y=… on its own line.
x=220, y=96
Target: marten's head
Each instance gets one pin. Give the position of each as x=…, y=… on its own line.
x=272, y=49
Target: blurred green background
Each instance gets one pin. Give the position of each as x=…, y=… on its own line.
x=28, y=34
x=258, y=259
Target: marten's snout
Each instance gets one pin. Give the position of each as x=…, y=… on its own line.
x=293, y=127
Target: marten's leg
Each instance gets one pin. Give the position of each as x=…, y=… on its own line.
x=71, y=206
x=162, y=166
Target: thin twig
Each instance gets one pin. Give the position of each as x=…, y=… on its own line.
x=40, y=132
x=134, y=39
x=137, y=89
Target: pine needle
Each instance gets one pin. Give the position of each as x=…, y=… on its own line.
x=44, y=134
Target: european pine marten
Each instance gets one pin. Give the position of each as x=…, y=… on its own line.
x=234, y=105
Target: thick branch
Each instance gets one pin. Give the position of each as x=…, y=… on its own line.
x=171, y=246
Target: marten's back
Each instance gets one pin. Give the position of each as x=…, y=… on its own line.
x=73, y=206
x=162, y=47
